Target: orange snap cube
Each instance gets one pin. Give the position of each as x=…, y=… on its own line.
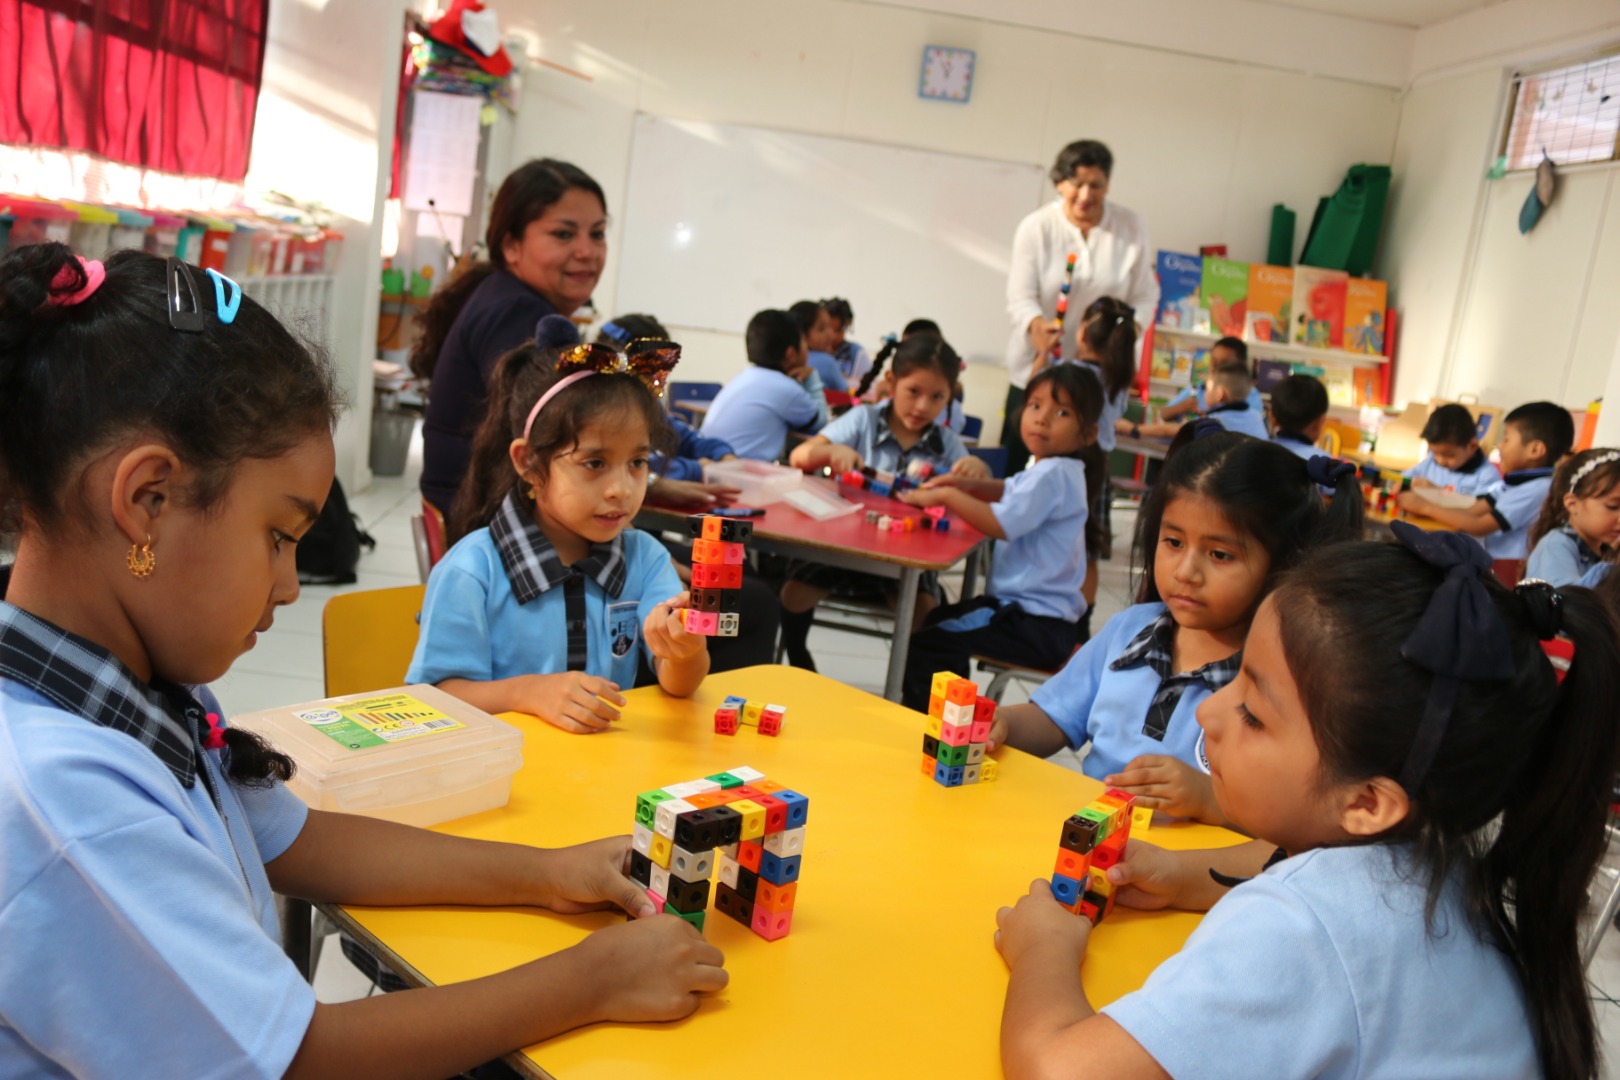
x=776, y=897
x=712, y=526
x=963, y=692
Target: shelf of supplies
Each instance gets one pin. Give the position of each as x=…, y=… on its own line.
x=1280, y=350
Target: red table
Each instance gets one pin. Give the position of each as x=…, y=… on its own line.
x=851, y=543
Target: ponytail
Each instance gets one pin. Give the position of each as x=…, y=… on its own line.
x=253, y=762
x=890, y=344
x=1109, y=329
x=518, y=377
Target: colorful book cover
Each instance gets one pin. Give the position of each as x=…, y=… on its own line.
x=1185, y=361
x=1163, y=360
x=1364, y=389
x=1269, y=374
x=1199, y=368
x=1226, y=294
x=1341, y=384
x=1364, y=304
x=1318, y=313
x=1180, y=277
x=1271, y=298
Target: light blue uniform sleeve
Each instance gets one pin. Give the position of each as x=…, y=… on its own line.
x=1068, y=696
x=1028, y=499
x=826, y=366
x=849, y=429
x=455, y=640
x=1555, y=560
x=1227, y=1004
x=119, y=962
x=1185, y=394
x=807, y=411
x=1596, y=574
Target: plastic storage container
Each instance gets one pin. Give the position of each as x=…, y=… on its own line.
x=761, y=482
x=412, y=754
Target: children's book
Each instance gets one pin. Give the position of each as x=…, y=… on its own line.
x=1180, y=277
x=1318, y=312
x=1226, y=294
x=1364, y=389
x=1163, y=359
x=1364, y=304
x=1189, y=365
x=1271, y=298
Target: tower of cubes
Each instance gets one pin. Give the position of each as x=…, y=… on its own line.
x=717, y=568
x=1092, y=840
x=758, y=826
x=955, y=734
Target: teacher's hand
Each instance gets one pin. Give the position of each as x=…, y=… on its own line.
x=1044, y=335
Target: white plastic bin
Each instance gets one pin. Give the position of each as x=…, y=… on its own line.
x=412, y=754
x=762, y=483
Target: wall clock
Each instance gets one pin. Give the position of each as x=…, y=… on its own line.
x=947, y=74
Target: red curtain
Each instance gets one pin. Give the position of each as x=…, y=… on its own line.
x=163, y=84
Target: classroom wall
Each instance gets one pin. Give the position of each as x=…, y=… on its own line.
x=1203, y=147
x=1487, y=311
x=323, y=133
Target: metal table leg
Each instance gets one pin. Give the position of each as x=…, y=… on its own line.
x=905, y=611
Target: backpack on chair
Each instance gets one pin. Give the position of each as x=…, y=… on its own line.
x=330, y=551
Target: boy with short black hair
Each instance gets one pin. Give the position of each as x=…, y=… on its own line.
x=1299, y=408
x=1227, y=393
x=1227, y=352
x=778, y=392
x=1455, y=461
x=1534, y=438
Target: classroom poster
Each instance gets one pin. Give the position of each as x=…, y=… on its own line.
x=1225, y=285
x=1364, y=304
x=1318, y=311
x=1180, y=278
x=1271, y=298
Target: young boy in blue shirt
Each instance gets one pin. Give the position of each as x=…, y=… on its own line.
x=1455, y=461
x=1535, y=437
x=1299, y=408
x=777, y=393
x=1227, y=352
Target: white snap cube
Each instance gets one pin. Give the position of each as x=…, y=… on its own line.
x=660, y=880
x=641, y=838
x=746, y=774
x=728, y=870
x=787, y=843
x=668, y=811
x=691, y=865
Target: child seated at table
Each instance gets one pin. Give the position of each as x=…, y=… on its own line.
x=1580, y=521
x=167, y=443
x=548, y=599
x=1535, y=438
x=777, y=393
x=1227, y=390
x=1455, y=461
x=820, y=338
x=1227, y=352
x=955, y=415
x=1431, y=804
x=896, y=436
x=1228, y=515
x=1299, y=409
x=853, y=359
x=1032, y=606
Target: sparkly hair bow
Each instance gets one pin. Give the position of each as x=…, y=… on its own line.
x=650, y=360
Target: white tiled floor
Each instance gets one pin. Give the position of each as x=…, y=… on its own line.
x=286, y=667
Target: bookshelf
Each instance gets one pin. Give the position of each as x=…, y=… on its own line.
x=1279, y=350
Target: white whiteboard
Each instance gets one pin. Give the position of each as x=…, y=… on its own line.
x=723, y=220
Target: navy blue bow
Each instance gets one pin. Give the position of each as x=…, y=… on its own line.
x=1461, y=636
x=554, y=330
x=1326, y=471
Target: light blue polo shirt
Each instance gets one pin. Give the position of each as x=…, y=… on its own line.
x=826, y=365
x=1476, y=477
x=140, y=934
x=1256, y=402
x=1515, y=504
x=755, y=411
x=1561, y=558
x=865, y=429
x=474, y=628
x=1298, y=447
x=1090, y=700
x=1247, y=421
x=1591, y=578
x=1042, y=563
x=1324, y=966
x=1113, y=410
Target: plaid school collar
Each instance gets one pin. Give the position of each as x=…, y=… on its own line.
x=1583, y=550
x=532, y=564
x=86, y=679
x=930, y=442
x=1154, y=646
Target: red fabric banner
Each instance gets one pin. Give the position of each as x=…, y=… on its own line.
x=163, y=84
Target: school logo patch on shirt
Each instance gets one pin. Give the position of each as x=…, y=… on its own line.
x=623, y=626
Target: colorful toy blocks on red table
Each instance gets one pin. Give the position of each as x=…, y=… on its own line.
x=737, y=712
x=1092, y=840
x=760, y=848
x=956, y=731
x=717, y=567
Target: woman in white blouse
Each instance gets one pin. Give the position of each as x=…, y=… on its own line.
x=1112, y=258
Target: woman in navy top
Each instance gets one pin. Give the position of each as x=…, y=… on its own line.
x=547, y=242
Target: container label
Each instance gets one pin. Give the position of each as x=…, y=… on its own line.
x=377, y=721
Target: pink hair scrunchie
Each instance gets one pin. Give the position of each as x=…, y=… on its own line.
x=94, y=274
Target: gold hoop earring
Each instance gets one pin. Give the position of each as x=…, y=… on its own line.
x=142, y=559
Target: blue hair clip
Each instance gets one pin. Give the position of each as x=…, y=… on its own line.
x=227, y=309
x=617, y=333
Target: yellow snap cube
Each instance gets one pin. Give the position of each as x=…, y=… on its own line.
x=753, y=818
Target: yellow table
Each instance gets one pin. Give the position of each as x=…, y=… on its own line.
x=889, y=969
